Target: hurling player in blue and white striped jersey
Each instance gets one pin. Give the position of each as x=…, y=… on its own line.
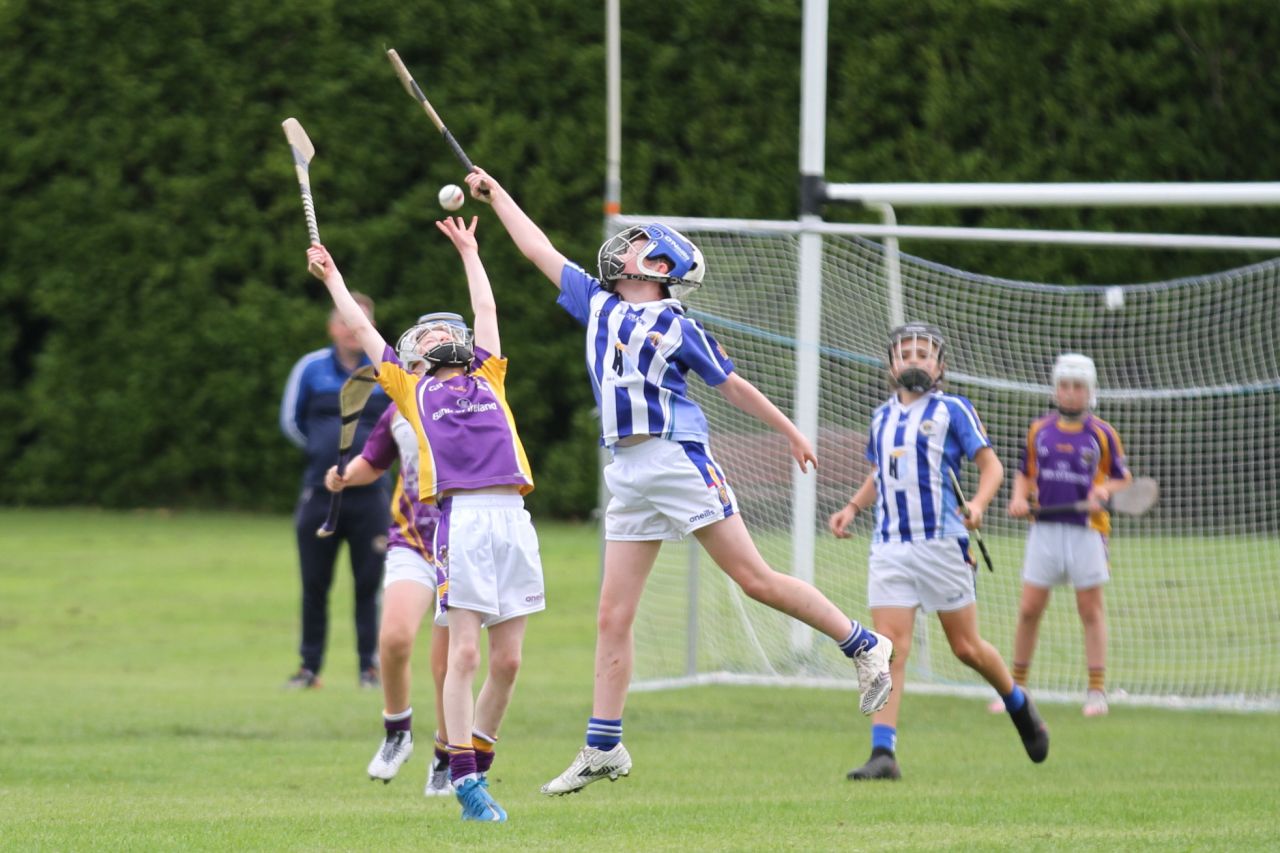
x=920, y=543
x=664, y=482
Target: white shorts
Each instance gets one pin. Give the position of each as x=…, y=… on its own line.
x=406, y=564
x=664, y=489
x=932, y=574
x=487, y=559
x=1065, y=553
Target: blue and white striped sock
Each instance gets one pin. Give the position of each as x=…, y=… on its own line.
x=604, y=734
x=858, y=641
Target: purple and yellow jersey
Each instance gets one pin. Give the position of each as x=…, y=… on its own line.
x=638, y=355
x=466, y=433
x=1065, y=459
x=413, y=523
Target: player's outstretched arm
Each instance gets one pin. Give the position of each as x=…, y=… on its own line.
x=484, y=307
x=359, y=473
x=528, y=237
x=859, y=503
x=745, y=396
x=321, y=265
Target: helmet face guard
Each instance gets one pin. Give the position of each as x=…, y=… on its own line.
x=916, y=379
x=457, y=351
x=1080, y=368
x=650, y=244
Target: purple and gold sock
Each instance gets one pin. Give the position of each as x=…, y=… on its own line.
x=442, y=750
x=462, y=763
x=483, y=745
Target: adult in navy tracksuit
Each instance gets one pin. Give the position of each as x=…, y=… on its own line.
x=310, y=418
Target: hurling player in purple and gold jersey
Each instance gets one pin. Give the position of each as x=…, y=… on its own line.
x=409, y=591
x=473, y=466
x=663, y=480
x=1070, y=455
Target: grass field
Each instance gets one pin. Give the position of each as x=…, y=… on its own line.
x=141, y=657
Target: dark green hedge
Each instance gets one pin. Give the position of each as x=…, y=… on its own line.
x=152, y=290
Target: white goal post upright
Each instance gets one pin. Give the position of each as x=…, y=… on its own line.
x=767, y=298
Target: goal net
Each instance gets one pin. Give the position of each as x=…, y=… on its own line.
x=1189, y=374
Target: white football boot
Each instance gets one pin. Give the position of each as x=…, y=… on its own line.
x=1095, y=704
x=874, y=682
x=591, y=765
x=438, y=782
x=394, y=751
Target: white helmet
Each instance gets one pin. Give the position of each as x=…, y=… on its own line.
x=458, y=352
x=1074, y=365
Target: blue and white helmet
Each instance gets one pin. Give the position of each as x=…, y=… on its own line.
x=1074, y=365
x=664, y=243
x=457, y=352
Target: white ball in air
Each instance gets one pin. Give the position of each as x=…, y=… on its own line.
x=451, y=197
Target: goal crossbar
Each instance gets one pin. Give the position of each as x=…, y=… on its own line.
x=986, y=235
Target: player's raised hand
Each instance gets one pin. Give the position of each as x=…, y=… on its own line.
x=839, y=522
x=802, y=452
x=319, y=262
x=483, y=187
x=462, y=236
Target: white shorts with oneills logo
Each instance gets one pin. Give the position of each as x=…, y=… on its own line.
x=932, y=574
x=664, y=489
x=1059, y=553
x=487, y=559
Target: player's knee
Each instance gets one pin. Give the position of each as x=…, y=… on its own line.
x=614, y=620
x=759, y=585
x=1029, y=615
x=504, y=665
x=969, y=654
x=395, y=643
x=1090, y=615
x=464, y=660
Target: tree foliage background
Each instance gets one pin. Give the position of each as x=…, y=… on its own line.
x=153, y=294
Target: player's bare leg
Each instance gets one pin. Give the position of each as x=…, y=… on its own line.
x=1031, y=607
x=405, y=604
x=459, y=715
x=729, y=544
x=1093, y=619
x=961, y=629
x=438, y=783
x=506, y=640
x=898, y=624
x=626, y=568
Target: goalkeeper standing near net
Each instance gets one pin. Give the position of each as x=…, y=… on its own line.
x=920, y=545
x=664, y=482
x=1069, y=455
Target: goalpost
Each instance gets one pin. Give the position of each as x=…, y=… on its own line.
x=1189, y=373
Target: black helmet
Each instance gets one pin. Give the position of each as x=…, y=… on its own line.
x=914, y=378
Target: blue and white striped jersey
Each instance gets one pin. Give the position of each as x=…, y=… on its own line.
x=637, y=355
x=911, y=446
